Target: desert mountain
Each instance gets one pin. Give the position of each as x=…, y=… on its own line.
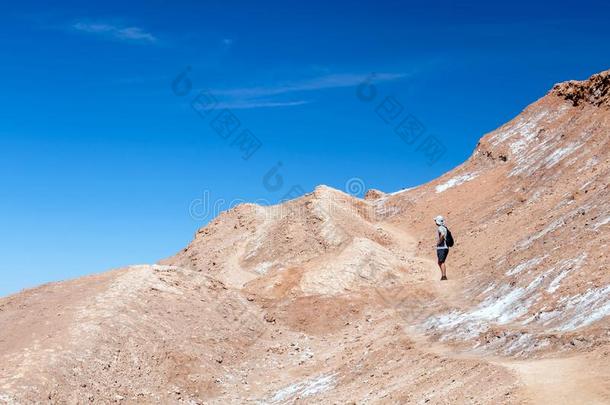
x=330, y=298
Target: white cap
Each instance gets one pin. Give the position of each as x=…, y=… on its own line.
x=439, y=220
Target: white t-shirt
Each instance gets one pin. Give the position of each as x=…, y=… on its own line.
x=442, y=230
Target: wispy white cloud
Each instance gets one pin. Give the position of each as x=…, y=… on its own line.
x=131, y=34
x=248, y=104
x=316, y=83
x=258, y=97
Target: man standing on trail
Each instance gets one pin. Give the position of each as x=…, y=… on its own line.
x=442, y=249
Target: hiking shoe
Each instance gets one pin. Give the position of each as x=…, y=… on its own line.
x=443, y=278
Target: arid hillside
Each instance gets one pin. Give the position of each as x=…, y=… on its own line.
x=330, y=298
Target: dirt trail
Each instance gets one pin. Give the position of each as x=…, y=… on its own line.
x=450, y=290
x=569, y=380
x=562, y=380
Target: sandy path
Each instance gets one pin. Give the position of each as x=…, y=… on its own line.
x=562, y=380
x=570, y=380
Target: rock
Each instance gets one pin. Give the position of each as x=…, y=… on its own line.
x=373, y=194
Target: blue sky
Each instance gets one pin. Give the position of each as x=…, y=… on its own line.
x=103, y=162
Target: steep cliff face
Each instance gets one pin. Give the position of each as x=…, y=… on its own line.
x=330, y=298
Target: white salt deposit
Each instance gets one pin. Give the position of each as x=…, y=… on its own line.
x=498, y=308
x=557, y=281
x=549, y=228
x=263, y=268
x=528, y=264
x=5, y=399
x=565, y=267
x=306, y=388
x=522, y=127
x=586, y=308
x=560, y=153
x=585, y=185
x=601, y=223
x=455, y=182
x=543, y=316
x=589, y=164
x=506, y=305
x=163, y=267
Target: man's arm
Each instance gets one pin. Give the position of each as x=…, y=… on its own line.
x=441, y=237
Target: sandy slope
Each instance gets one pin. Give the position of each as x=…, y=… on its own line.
x=330, y=299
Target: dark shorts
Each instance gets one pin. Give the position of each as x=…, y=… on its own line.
x=442, y=255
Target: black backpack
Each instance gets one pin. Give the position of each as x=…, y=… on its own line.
x=449, y=238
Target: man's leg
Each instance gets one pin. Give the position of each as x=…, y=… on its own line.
x=442, y=256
